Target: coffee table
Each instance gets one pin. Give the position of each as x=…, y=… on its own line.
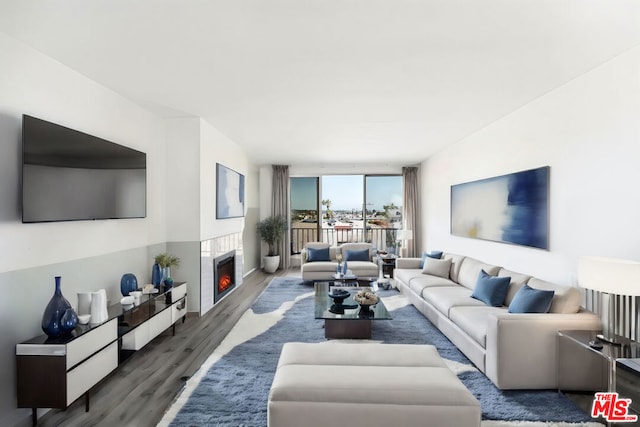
x=348, y=320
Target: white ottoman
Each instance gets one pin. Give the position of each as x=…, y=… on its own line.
x=365, y=385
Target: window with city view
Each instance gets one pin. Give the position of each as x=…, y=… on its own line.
x=351, y=208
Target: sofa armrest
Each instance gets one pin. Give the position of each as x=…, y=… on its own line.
x=304, y=255
x=408, y=263
x=521, y=349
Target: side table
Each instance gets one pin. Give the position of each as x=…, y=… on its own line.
x=388, y=263
x=584, y=368
x=628, y=381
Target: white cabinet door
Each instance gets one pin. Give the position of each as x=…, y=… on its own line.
x=88, y=373
x=136, y=339
x=90, y=342
x=178, y=310
x=159, y=323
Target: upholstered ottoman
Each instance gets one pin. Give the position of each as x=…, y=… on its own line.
x=365, y=385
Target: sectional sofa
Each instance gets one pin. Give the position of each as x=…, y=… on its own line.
x=514, y=350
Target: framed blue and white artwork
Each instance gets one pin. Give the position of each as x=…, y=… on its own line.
x=229, y=193
x=511, y=208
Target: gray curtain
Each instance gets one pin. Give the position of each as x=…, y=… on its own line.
x=411, y=209
x=281, y=206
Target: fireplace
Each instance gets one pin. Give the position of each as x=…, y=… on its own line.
x=224, y=275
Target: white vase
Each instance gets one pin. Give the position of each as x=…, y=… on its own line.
x=84, y=303
x=99, y=307
x=271, y=263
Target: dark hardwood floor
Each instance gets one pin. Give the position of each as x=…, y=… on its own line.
x=144, y=386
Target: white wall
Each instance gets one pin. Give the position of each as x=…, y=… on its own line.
x=588, y=132
x=217, y=148
x=33, y=84
x=183, y=179
x=88, y=254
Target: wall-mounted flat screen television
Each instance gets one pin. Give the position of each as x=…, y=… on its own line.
x=68, y=175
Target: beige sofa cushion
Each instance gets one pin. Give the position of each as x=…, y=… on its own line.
x=456, y=261
x=437, y=267
x=474, y=321
x=398, y=385
x=417, y=284
x=320, y=266
x=470, y=269
x=517, y=281
x=361, y=354
x=407, y=275
x=565, y=300
x=445, y=297
x=363, y=268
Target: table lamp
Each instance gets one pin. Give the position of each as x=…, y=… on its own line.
x=610, y=277
x=402, y=236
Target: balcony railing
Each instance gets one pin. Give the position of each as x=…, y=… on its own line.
x=380, y=237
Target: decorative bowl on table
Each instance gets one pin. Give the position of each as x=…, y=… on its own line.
x=366, y=299
x=339, y=295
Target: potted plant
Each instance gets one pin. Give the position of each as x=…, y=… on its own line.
x=271, y=231
x=165, y=261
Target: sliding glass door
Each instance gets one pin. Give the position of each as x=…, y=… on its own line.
x=383, y=213
x=305, y=226
x=338, y=209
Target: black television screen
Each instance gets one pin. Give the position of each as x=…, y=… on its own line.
x=68, y=175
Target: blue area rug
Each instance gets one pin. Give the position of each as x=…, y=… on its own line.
x=234, y=391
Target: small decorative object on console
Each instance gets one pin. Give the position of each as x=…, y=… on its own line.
x=128, y=300
x=128, y=283
x=69, y=321
x=166, y=261
x=149, y=289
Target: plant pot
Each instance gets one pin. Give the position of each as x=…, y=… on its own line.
x=271, y=263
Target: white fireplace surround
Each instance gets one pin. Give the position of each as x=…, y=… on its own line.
x=209, y=250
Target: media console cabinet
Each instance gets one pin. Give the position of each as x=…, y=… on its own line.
x=55, y=372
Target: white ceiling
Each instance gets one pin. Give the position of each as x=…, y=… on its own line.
x=330, y=81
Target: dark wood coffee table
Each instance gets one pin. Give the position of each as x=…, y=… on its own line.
x=347, y=320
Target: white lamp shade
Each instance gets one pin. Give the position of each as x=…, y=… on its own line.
x=610, y=275
x=403, y=235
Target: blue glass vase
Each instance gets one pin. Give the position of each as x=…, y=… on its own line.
x=52, y=316
x=128, y=283
x=156, y=275
x=69, y=321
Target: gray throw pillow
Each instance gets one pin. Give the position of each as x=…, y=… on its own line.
x=437, y=267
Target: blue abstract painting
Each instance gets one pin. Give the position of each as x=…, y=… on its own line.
x=510, y=208
x=229, y=193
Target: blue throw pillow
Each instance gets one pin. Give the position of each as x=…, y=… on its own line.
x=362, y=255
x=432, y=254
x=490, y=289
x=318, y=254
x=530, y=300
